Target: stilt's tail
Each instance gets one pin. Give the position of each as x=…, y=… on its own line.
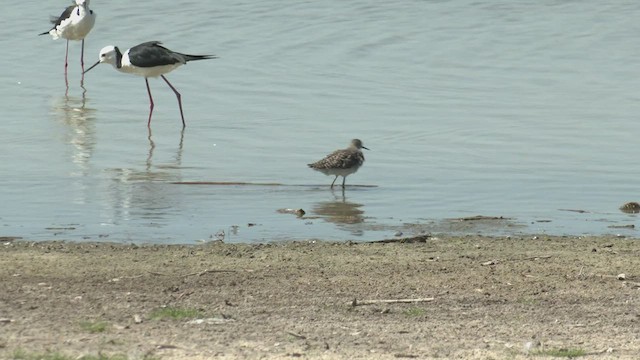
x=198, y=57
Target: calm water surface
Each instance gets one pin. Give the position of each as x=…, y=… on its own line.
x=494, y=108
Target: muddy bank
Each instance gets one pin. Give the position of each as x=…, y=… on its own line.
x=473, y=297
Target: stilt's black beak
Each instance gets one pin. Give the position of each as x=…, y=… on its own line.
x=92, y=66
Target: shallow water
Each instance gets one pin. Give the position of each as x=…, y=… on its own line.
x=485, y=107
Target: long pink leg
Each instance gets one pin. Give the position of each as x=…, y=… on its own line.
x=66, y=57
x=82, y=62
x=179, y=99
x=66, y=64
x=150, y=102
x=82, y=56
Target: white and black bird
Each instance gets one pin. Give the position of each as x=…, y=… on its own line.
x=343, y=162
x=149, y=59
x=75, y=23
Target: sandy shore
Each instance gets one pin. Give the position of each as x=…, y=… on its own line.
x=474, y=297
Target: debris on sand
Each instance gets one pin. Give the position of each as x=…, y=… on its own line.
x=630, y=208
x=296, y=212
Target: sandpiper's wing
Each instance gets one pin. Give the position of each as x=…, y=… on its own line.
x=340, y=159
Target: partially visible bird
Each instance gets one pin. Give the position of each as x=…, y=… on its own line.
x=75, y=23
x=342, y=162
x=149, y=59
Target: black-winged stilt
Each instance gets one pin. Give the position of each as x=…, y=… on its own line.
x=74, y=24
x=148, y=59
x=342, y=162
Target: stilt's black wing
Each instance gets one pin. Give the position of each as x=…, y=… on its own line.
x=151, y=53
x=58, y=20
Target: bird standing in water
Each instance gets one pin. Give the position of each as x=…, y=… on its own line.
x=342, y=162
x=149, y=59
x=75, y=23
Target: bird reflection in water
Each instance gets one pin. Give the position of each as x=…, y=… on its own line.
x=340, y=211
x=79, y=119
x=152, y=171
x=79, y=133
x=176, y=163
x=143, y=194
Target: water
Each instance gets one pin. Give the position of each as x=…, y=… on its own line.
x=470, y=107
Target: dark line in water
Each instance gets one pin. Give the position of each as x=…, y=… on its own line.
x=226, y=183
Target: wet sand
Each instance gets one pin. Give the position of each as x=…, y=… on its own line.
x=468, y=297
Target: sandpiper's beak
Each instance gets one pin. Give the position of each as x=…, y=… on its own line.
x=92, y=66
x=364, y=147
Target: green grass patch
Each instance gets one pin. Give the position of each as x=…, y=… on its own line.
x=415, y=311
x=568, y=353
x=528, y=301
x=94, y=327
x=104, y=357
x=174, y=313
x=23, y=355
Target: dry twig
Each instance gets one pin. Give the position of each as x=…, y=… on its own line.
x=534, y=258
x=200, y=273
x=296, y=335
x=157, y=273
x=355, y=302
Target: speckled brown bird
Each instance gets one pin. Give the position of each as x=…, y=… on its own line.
x=342, y=162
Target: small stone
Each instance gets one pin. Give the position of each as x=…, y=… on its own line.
x=531, y=345
x=398, y=234
x=622, y=276
x=137, y=319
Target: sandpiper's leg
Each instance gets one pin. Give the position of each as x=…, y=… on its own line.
x=150, y=102
x=344, y=178
x=179, y=99
x=334, y=181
